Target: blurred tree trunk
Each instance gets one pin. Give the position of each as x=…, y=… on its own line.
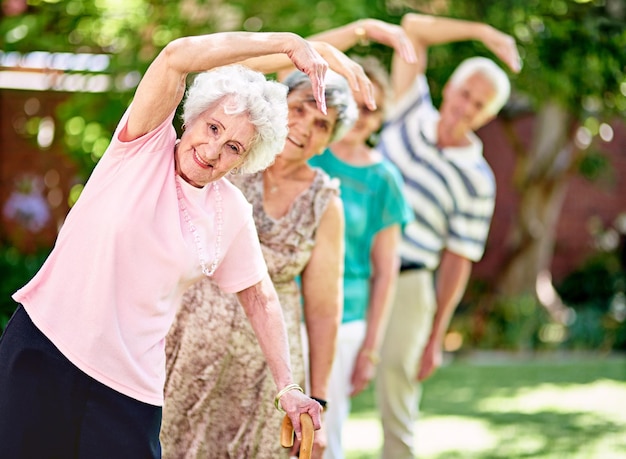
x=541, y=178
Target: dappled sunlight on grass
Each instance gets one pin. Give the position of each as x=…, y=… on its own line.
x=439, y=434
x=602, y=397
x=453, y=437
x=362, y=435
x=538, y=410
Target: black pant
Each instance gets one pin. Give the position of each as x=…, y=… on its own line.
x=49, y=409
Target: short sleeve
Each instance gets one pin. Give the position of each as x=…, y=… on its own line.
x=470, y=221
x=394, y=209
x=243, y=264
x=416, y=99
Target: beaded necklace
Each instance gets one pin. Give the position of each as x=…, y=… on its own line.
x=194, y=231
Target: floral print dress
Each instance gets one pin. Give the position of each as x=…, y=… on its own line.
x=219, y=391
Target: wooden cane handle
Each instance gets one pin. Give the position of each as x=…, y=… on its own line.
x=286, y=433
x=308, y=434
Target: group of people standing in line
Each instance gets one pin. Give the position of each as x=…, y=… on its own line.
x=269, y=251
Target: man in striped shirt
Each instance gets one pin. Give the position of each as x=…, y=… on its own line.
x=452, y=191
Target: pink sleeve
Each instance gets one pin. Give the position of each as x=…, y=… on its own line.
x=158, y=139
x=243, y=265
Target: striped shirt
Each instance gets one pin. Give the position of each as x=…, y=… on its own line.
x=451, y=190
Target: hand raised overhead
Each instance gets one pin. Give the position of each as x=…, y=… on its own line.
x=360, y=84
x=391, y=35
x=308, y=60
x=503, y=46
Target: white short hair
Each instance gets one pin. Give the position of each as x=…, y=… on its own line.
x=490, y=70
x=249, y=92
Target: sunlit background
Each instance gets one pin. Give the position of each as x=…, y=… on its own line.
x=552, y=283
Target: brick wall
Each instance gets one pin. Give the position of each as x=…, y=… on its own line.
x=603, y=199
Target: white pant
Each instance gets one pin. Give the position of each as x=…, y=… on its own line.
x=349, y=340
x=398, y=393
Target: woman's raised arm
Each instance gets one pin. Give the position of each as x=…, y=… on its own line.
x=163, y=85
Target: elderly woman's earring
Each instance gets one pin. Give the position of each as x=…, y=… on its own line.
x=184, y=126
x=234, y=171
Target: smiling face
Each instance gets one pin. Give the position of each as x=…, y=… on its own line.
x=212, y=145
x=463, y=105
x=309, y=129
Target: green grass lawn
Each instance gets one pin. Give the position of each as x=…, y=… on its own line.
x=498, y=407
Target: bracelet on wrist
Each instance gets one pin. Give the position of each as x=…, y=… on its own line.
x=282, y=392
x=361, y=35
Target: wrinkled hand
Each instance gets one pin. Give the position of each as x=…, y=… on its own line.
x=503, y=46
x=362, y=88
x=391, y=35
x=295, y=403
x=363, y=373
x=432, y=357
x=319, y=444
x=308, y=60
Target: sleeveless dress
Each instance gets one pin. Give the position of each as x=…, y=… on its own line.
x=219, y=391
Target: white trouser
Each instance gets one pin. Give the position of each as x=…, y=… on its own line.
x=397, y=391
x=349, y=340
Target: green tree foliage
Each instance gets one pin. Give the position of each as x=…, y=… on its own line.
x=573, y=51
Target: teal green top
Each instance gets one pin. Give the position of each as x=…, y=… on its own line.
x=372, y=201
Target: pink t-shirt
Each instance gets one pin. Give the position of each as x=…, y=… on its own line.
x=107, y=294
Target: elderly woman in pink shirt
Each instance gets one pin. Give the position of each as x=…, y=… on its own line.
x=82, y=360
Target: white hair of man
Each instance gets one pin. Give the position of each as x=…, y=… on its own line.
x=242, y=90
x=490, y=70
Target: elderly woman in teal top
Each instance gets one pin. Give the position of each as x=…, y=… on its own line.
x=375, y=212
